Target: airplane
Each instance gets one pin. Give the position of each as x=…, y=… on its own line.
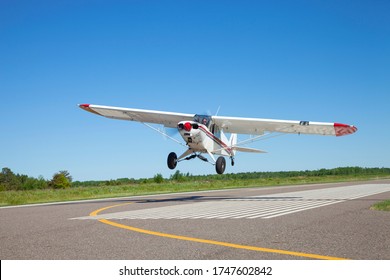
x=205, y=134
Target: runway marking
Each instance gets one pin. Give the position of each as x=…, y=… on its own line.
x=253, y=207
x=205, y=241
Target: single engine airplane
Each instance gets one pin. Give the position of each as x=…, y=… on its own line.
x=205, y=134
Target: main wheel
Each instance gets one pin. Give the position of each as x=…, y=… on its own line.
x=220, y=165
x=172, y=160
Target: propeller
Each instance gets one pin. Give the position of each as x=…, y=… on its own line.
x=169, y=131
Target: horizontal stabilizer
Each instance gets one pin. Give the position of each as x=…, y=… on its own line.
x=247, y=150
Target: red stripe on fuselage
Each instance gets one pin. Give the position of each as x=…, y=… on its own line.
x=216, y=140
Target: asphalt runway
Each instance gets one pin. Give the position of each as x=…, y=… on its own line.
x=327, y=221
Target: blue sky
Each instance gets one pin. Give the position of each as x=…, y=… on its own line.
x=301, y=60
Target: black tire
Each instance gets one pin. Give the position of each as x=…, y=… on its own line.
x=172, y=160
x=220, y=165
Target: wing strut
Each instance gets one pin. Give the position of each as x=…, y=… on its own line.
x=265, y=136
x=163, y=133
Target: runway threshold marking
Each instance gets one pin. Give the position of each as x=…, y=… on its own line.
x=205, y=241
x=251, y=207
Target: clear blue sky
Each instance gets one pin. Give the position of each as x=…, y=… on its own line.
x=302, y=60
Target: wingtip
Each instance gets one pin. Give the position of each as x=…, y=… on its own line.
x=87, y=107
x=344, y=129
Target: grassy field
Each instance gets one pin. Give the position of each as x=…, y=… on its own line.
x=8, y=198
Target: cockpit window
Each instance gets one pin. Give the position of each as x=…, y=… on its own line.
x=203, y=119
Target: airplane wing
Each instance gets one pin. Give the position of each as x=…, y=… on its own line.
x=260, y=126
x=168, y=119
x=251, y=126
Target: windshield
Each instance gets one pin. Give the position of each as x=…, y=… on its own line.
x=203, y=119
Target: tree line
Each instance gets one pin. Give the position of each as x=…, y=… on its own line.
x=62, y=179
x=17, y=182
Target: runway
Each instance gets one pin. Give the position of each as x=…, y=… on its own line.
x=327, y=221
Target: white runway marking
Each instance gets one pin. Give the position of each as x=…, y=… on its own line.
x=253, y=207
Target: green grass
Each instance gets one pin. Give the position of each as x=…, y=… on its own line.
x=8, y=198
x=382, y=206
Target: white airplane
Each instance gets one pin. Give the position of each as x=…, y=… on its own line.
x=204, y=134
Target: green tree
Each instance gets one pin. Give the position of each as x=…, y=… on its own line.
x=67, y=175
x=178, y=176
x=158, y=178
x=59, y=181
x=31, y=183
x=8, y=180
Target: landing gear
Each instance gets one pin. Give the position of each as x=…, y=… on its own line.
x=172, y=160
x=220, y=165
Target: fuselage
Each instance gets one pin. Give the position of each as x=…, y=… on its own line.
x=199, y=138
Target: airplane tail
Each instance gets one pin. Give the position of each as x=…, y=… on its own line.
x=234, y=147
x=248, y=150
x=233, y=142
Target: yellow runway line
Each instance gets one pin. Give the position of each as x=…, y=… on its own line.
x=205, y=241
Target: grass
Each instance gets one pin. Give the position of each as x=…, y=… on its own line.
x=382, y=206
x=8, y=198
